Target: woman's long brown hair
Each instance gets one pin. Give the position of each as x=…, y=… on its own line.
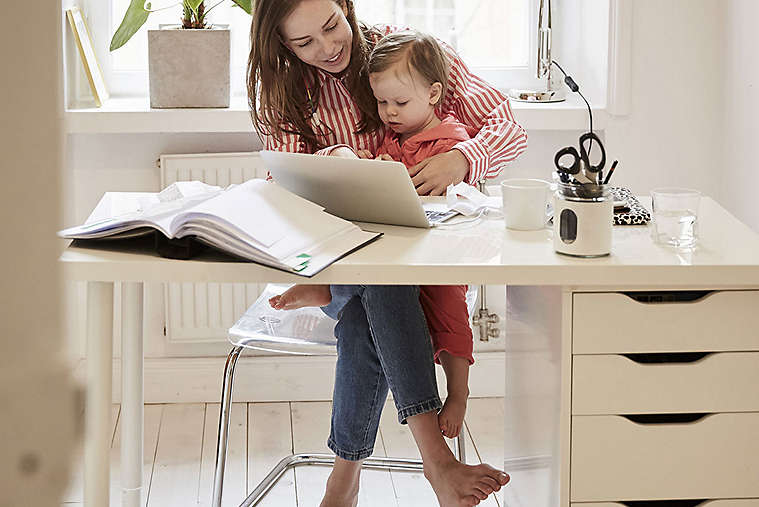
x=277, y=78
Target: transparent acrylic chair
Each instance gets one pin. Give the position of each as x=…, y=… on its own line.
x=306, y=331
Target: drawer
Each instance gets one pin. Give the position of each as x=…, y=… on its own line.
x=613, y=457
x=665, y=383
x=608, y=323
x=742, y=502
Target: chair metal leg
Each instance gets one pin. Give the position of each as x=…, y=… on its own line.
x=458, y=447
x=295, y=460
x=223, y=438
x=408, y=465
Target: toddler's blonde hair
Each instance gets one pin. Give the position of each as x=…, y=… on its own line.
x=422, y=53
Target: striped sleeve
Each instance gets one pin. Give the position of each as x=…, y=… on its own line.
x=475, y=103
x=292, y=143
x=287, y=142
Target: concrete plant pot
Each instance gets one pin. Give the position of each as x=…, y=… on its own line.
x=189, y=68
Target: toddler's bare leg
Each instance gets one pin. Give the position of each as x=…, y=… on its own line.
x=451, y=417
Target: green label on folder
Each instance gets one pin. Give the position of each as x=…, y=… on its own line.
x=303, y=265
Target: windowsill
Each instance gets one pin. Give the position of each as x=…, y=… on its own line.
x=134, y=116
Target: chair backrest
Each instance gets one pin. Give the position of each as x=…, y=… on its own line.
x=305, y=331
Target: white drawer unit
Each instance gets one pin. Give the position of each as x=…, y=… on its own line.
x=665, y=383
x=665, y=399
x=654, y=396
x=660, y=457
x=609, y=323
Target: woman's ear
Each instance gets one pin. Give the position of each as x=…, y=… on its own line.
x=436, y=91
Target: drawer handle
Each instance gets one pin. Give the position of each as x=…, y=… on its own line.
x=678, y=296
x=665, y=418
x=667, y=357
x=664, y=503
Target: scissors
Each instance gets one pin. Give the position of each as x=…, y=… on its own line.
x=581, y=168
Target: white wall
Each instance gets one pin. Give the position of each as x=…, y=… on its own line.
x=673, y=135
x=738, y=170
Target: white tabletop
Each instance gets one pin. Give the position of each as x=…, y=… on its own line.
x=727, y=255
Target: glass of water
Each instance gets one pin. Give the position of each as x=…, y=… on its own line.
x=675, y=216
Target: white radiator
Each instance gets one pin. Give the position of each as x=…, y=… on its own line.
x=202, y=312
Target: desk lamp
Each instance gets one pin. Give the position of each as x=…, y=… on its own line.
x=543, y=69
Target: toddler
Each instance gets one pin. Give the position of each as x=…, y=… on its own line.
x=408, y=73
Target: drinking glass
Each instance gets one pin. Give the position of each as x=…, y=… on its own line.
x=675, y=216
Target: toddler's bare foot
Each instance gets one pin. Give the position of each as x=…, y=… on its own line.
x=299, y=296
x=457, y=485
x=451, y=417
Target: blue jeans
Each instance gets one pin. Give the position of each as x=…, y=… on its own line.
x=382, y=341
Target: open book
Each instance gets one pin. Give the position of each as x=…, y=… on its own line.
x=256, y=220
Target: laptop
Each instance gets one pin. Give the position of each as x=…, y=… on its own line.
x=360, y=190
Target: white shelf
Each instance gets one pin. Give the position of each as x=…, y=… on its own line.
x=134, y=116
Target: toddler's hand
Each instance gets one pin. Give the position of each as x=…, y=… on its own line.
x=384, y=156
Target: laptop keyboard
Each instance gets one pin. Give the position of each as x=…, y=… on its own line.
x=436, y=217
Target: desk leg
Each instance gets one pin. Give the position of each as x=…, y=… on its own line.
x=535, y=398
x=132, y=395
x=97, y=440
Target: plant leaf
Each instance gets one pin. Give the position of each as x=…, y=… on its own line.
x=193, y=4
x=135, y=17
x=245, y=4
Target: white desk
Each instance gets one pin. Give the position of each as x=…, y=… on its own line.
x=541, y=284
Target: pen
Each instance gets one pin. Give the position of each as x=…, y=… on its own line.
x=611, y=170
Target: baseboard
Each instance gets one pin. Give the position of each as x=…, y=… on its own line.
x=271, y=378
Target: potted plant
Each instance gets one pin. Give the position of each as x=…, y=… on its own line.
x=189, y=62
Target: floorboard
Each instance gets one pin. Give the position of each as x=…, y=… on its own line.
x=270, y=440
x=180, y=454
x=176, y=473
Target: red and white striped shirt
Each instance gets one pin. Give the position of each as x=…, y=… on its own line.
x=497, y=138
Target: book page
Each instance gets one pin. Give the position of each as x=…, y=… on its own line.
x=117, y=212
x=114, y=205
x=262, y=212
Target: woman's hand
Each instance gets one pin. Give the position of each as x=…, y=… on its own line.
x=433, y=175
x=364, y=154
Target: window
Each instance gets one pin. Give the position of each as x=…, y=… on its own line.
x=494, y=37
x=486, y=33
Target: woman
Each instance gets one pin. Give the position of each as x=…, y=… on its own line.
x=308, y=92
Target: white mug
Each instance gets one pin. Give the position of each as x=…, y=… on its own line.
x=525, y=202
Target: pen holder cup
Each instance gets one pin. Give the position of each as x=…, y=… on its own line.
x=582, y=220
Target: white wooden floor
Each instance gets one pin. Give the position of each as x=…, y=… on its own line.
x=180, y=447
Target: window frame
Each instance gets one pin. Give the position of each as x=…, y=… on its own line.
x=99, y=15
